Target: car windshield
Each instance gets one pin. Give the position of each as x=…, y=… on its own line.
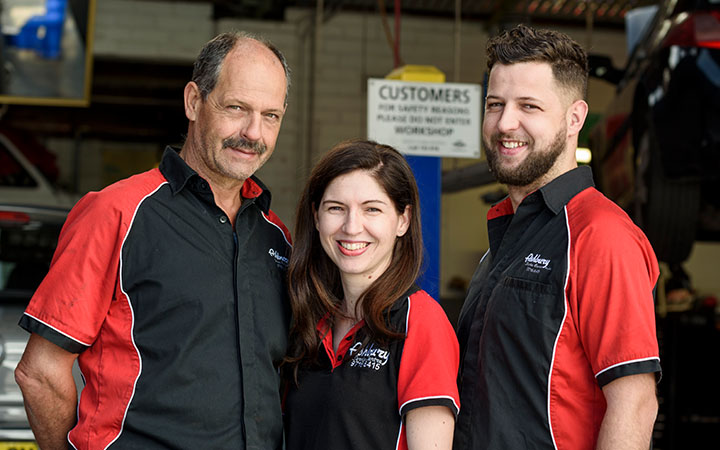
x=27, y=242
x=12, y=173
x=692, y=5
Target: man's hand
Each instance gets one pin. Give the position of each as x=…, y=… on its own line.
x=44, y=375
x=631, y=412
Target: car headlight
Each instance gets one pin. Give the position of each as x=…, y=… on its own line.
x=2, y=349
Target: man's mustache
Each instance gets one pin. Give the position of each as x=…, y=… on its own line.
x=238, y=142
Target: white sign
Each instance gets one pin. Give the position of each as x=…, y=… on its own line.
x=428, y=119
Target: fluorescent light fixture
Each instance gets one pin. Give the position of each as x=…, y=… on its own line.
x=583, y=155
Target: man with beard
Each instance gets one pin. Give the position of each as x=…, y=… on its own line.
x=168, y=287
x=557, y=333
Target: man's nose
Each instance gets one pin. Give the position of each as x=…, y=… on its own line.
x=252, y=130
x=508, y=120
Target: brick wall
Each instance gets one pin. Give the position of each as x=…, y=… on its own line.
x=151, y=29
x=327, y=101
x=352, y=48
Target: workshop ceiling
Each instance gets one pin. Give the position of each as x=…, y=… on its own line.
x=142, y=100
x=608, y=13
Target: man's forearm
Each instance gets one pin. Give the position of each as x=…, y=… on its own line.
x=631, y=413
x=44, y=375
x=51, y=418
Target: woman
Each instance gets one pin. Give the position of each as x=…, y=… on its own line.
x=372, y=361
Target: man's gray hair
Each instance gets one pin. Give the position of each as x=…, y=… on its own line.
x=208, y=64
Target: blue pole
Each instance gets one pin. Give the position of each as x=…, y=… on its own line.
x=428, y=173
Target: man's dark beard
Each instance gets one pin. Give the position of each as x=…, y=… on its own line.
x=535, y=165
x=238, y=142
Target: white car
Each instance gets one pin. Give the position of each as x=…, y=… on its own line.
x=21, y=183
x=32, y=213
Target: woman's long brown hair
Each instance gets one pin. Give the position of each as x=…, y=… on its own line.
x=314, y=280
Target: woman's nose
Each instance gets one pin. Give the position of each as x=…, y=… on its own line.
x=353, y=222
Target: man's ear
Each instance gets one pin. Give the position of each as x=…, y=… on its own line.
x=192, y=100
x=576, y=114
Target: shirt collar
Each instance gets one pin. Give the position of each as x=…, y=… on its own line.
x=556, y=194
x=181, y=176
x=562, y=189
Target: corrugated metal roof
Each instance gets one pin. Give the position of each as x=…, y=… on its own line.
x=603, y=12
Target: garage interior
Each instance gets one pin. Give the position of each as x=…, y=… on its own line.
x=139, y=57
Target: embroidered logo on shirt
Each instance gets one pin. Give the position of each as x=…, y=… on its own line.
x=535, y=262
x=370, y=357
x=280, y=260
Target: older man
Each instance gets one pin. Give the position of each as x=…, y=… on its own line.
x=169, y=285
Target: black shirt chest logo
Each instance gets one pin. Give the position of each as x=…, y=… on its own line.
x=281, y=261
x=537, y=264
x=371, y=357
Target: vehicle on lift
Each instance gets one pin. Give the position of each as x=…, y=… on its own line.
x=32, y=213
x=28, y=237
x=26, y=171
x=656, y=150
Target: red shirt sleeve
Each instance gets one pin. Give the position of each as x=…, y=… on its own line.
x=430, y=359
x=74, y=298
x=616, y=276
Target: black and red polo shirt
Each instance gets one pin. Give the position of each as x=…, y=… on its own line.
x=357, y=398
x=560, y=305
x=179, y=318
